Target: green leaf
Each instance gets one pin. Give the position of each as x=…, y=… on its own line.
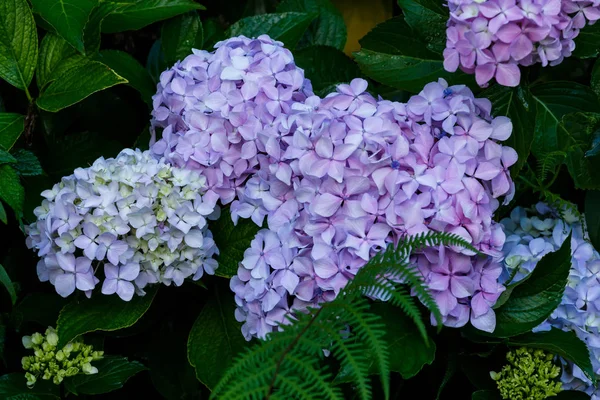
x=53, y=50
x=91, y=33
x=11, y=127
x=287, y=27
x=553, y=101
x=67, y=17
x=112, y=374
x=393, y=55
x=516, y=104
x=3, y=216
x=7, y=283
x=65, y=65
x=13, y=385
x=408, y=352
x=582, y=128
x=42, y=308
x=129, y=68
x=170, y=370
x=534, y=300
x=27, y=163
x=565, y=344
x=587, y=43
x=18, y=43
x=486, y=395
x=100, y=313
x=592, y=216
x=180, y=35
x=146, y=12
x=595, y=80
x=326, y=66
x=232, y=241
x=11, y=191
x=428, y=19
x=6, y=158
x=143, y=140
x=215, y=338
x=156, y=62
x=328, y=29
x=76, y=84
x=213, y=32
x=561, y=97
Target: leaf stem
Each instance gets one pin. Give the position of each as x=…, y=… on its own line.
x=29, y=98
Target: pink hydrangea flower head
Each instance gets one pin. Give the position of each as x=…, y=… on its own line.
x=351, y=175
x=493, y=38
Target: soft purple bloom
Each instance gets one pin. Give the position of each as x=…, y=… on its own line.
x=214, y=109
x=492, y=38
x=78, y=274
x=346, y=176
x=118, y=280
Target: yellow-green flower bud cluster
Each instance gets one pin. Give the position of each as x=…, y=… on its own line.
x=529, y=375
x=50, y=363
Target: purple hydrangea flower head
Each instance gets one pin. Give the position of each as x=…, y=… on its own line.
x=533, y=233
x=347, y=175
x=142, y=218
x=491, y=38
x=216, y=112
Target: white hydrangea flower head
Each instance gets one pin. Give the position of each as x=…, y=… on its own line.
x=127, y=222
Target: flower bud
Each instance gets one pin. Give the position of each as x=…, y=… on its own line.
x=88, y=369
x=27, y=342
x=31, y=379
x=52, y=338
x=37, y=338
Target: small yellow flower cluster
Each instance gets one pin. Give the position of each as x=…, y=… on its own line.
x=529, y=375
x=49, y=363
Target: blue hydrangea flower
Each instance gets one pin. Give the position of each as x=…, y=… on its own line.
x=531, y=234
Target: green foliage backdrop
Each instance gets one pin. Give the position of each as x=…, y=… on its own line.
x=76, y=81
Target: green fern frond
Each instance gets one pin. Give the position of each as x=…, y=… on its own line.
x=288, y=364
x=403, y=300
x=352, y=355
x=371, y=331
x=560, y=204
x=433, y=239
x=319, y=379
x=548, y=162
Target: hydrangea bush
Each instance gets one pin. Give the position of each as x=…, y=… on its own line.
x=318, y=208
